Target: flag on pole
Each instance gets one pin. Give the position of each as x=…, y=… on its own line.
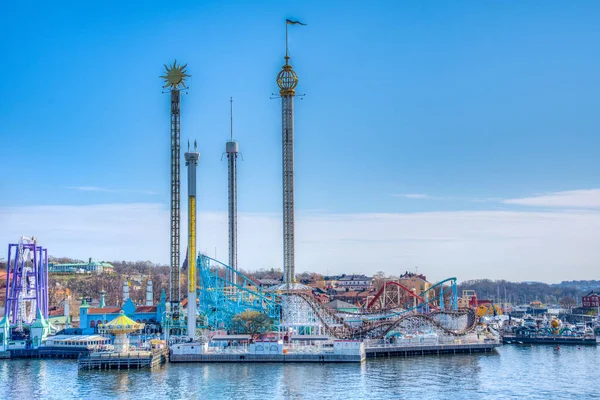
x=290, y=22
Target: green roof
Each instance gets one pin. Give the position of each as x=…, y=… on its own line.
x=84, y=303
x=39, y=321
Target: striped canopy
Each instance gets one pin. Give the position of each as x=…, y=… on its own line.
x=121, y=324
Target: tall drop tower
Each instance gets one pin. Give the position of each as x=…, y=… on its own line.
x=287, y=80
x=174, y=80
x=232, y=150
x=191, y=161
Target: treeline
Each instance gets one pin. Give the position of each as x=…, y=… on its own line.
x=520, y=292
x=584, y=286
x=90, y=285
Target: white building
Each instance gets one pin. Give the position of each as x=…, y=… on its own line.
x=354, y=282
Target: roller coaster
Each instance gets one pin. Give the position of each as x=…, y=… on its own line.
x=225, y=292
x=435, y=297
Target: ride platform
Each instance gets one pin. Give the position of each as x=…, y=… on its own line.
x=129, y=360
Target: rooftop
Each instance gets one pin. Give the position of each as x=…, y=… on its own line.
x=104, y=310
x=56, y=312
x=338, y=304
x=146, y=309
x=78, y=338
x=355, y=278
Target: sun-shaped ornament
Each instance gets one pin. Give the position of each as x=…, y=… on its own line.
x=175, y=76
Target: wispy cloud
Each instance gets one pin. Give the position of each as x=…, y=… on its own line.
x=414, y=196
x=109, y=190
x=517, y=245
x=420, y=196
x=581, y=199
x=568, y=199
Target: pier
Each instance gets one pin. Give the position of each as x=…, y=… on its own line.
x=265, y=358
x=349, y=351
x=411, y=350
x=130, y=360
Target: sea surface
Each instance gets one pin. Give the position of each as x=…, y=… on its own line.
x=513, y=372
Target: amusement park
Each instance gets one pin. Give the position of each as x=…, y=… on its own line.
x=223, y=315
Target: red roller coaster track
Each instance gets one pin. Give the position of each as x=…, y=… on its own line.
x=407, y=290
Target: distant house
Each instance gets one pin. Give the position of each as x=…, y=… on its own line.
x=354, y=282
x=268, y=282
x=98, y=267
x=336, y=291
x=415, y=282
x=592, y=299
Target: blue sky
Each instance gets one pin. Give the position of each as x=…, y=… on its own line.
x=411, y=108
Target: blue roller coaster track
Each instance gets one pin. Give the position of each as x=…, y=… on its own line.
x=446, y=287
x=221, y=299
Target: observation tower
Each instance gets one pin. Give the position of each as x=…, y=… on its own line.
x=287, y=80
x=175, y=80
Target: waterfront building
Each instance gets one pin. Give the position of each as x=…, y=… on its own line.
x=89, y=342
x=591, y=300
x=23, y=336
x=152, y=316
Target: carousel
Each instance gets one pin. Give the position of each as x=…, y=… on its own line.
x=121, y=327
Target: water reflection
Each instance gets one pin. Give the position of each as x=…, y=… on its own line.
x=516, y=372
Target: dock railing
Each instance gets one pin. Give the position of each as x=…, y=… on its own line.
x=415, y=342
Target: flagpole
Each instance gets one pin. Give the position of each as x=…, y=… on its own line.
x=286, y=42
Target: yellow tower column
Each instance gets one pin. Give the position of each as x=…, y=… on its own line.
x=191, y=161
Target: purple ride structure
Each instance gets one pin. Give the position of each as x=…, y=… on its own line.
x=26, y=282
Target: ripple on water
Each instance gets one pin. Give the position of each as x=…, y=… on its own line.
x=514, y=372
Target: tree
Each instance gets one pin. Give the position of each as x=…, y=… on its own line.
x=379, y=280
x=567, y=302
x=253, y=323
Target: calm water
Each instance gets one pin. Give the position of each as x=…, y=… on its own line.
x=514, y=372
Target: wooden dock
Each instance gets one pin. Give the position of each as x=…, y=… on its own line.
x=429, y=349
x=130, y=360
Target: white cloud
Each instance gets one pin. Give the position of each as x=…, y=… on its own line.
x=572, y=198
x=512, y=245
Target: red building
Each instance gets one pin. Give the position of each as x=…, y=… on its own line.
x=592, y=299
